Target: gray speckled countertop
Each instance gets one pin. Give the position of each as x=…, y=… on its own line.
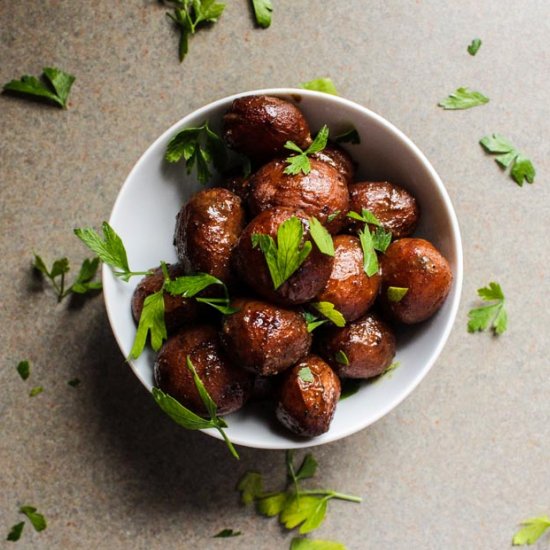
x=457, y=464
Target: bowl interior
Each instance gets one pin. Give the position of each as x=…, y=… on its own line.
x=144, y=216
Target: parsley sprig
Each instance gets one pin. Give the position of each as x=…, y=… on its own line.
x=474, y=46
x=321, y=237
x=522, y=168
x=199, y=147
x=327, y=309
x=493, y=315
x=463, y=98
x=188, y=419
x=300, y=162
x=37, y=520
x=531, y=531
x=381, y=238
x=325, y=85
x=262, y=12
x=296, y=507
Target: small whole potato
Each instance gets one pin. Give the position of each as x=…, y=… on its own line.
x=415, y=264
x=264, y=338
x=207, y=229
x=338, y=158
x=259, y=126
x=177, y=310
x=303, y=285
x=362, y=349
x=321, y=193
x=308, y=397
x=228, y=386
x=349, y=288
x=395, y=208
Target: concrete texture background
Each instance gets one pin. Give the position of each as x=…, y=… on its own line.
x=456, y=465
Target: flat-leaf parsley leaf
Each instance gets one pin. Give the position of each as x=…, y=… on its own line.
x=531, y=531
x=474, y=46
x=328, y=310
x=300, y=162
x=324, y=85
x=493, y=315
x=262, y=12
x=463, y=98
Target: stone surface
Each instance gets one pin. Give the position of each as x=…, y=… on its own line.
x=456, y=465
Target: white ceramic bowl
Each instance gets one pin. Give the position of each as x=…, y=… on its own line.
x=144, y=215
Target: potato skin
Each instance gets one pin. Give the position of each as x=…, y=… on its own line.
x=177, y=310
x=338, y=158
x=320, y=193
x=307, y=408
x=349, y=288
x=369, y=345
x=207, y=229
x=395, y=207
x=259, y=126
x=303, y=285
x=228, y=385
x=264, y=338
x=417, y=265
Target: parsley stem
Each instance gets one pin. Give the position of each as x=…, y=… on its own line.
x=62, y=289
x=228, y=443
x=331, y=494
x=129, y=274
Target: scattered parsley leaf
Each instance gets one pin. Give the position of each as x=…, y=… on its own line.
x=396, y=293
x=307, y=511
x=190, y=285
x=342, y=358
x=225, y=533
x=463, y=98
x=366, y=216
x=262, y=12
x=151, y=322
x=313, y=321
x=305, y=374
x=493, y=315
x=285, y=257
x=199, y=147
x=349, y=136
x=300, y=162
x=324, y=85
x=272, y=504
x=307, y=469
x=474, y=46
x=533, y=529
x=24, y=369
x=221, y=304
x=370, y=259
x=35, y=391
x=15, y=532
x=54, y=86
x=331, y=217
x=381, y=239
x=74, y=382
x=522, y=168
x=83, y=282
x=350, y=386
x=328, y=310
x=315, y=544
x=321, y=237
x=251, y=487
x=38, y=521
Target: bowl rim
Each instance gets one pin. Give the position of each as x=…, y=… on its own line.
x=456, y=242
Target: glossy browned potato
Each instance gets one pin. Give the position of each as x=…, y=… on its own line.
x=259, y=126
x=207, y=229
x=395, y=207
x=303, y=285
x=367, y=343
x=349, y=288
x=264, y=338
x=228, y=385
x=417, y=265
x=320, y=193
x=308, y=397
x=177, y=310
x=338, y=158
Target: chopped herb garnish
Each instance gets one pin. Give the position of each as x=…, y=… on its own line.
x=250, y=487
x=328, y=310
x=370, y=259
x=225, y=533
x=199, y=147
x=305, y=374
x=262, y=12
x=493, y=315
x=320, y=85
x=15, y=532
x=24, y=369
x=474, y=46
x=35, y=391
x=366, y=216
x=463, y=98
x=315, y=544
x=313, y=321
x=381, y=239
x=332, y=216
x=151, y=322
x=349, y=136
x=396, y=293
x=531, y=531
x=321, y=237
x=54, y=86
x=342, y=358
x=300, y=162
x=38, y=521
x=522, y=168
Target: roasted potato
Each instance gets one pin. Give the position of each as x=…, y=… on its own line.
x=321, y=193
x=207, y=229
x=228, y=386
x=264, y=338
x=338, y=158
x=303, y=285
x=259, y=126
x=308, y=397
x=362, y=349
x=349, y=288
x=417, y=265
x=395, y=208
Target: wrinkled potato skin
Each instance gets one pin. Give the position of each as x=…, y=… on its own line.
x=228, y=386
x=395, y=207
x=349, y=288
x=338, y=158
x=207, y=230
x=307, y=408
x=259, y=126
x=417, y=265
x=368, y=343
x=177, y=310
x=320, y=193
x=303, y=285
x=264, y=338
